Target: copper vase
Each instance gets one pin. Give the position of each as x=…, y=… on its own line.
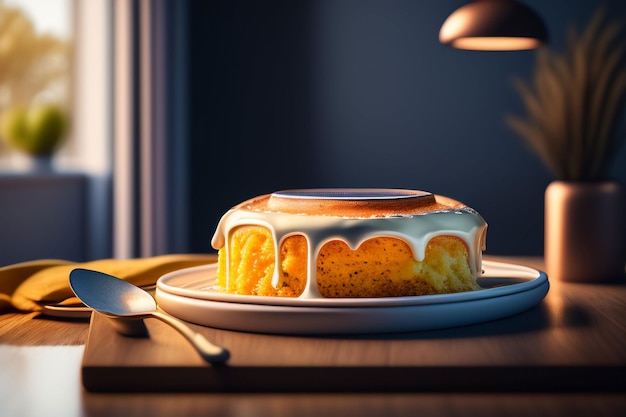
x=585, y=231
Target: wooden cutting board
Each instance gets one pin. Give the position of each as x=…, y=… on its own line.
x=475, y=358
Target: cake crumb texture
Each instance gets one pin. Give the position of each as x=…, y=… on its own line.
x=385, y=267
x=379, y=267
x=251, y=264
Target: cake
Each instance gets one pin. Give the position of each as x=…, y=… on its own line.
x=333, y=243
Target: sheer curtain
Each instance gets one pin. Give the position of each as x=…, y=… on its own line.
x=150, y=128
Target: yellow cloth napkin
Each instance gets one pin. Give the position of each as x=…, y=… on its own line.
x=28, y=285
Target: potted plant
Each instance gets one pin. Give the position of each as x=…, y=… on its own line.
x=574, y=105
x=36, y=130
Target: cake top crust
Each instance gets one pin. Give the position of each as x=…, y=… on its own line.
x=351, y=202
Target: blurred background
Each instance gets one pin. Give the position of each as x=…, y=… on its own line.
x=178, y=110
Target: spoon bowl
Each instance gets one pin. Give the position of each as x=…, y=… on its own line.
x=128, y=304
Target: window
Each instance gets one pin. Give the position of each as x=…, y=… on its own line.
x=125, y=81
x=36, y=51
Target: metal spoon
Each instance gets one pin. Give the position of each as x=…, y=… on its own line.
x=128, y=304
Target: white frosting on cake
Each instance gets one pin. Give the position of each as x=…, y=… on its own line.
x=415, y=229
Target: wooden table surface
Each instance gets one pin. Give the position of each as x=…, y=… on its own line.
x=577, y=325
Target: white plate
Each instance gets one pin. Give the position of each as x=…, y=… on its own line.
x=508, y=289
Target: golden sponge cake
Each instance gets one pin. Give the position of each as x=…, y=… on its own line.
x=349, y=243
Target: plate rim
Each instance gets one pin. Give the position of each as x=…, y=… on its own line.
x=310, y=321
x=539, y=278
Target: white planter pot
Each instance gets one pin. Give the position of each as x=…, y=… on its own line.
x=585, y=231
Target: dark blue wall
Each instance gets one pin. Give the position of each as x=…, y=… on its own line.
x=359, y=93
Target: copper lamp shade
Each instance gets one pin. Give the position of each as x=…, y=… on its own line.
x=494, y=25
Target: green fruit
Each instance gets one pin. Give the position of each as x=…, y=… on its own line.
x=37, y=130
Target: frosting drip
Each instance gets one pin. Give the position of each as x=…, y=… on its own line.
x=415, y=229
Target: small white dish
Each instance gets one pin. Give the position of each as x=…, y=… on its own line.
x=66, y=312
x=508, y=289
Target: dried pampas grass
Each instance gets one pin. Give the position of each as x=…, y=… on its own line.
x=575, y=102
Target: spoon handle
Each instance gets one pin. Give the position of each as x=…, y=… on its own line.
x=209, y=351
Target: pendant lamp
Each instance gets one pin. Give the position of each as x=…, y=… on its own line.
x=494, y=25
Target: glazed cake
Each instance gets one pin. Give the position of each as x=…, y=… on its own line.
x=349, y=243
